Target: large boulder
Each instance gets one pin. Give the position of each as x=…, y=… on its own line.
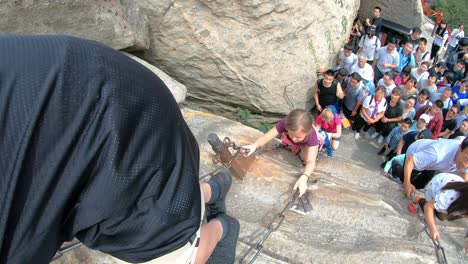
x=259, y=55
x=106, y=21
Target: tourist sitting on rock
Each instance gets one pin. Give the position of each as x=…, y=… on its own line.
x=446, y=197
x=298, y=133
x=354, y=94
x=330, y=123
x=327, y=91
x=409, y=89
x=445, y=96
x=462, y=131
x=408, y=107
x=450, y=121
x=423, y=99
x=425, y=157
x=393, y=114
x=435, y=113
x=372, y=110
x=391, y=141
x=387, y=82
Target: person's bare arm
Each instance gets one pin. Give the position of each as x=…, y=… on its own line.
x=265, y=138
x=400, y=147
x=301, y=183
x=429, y=216
x=408, y=169
x=316, y=97
x=339, y=91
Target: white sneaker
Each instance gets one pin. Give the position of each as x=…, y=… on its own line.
x=381, y=138
x=356, y=135
x=374, y=135
x=367, y=135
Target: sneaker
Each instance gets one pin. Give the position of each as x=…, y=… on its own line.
x=381, y=151
x=374, y=135
x=380, y=140
x=225, y=251
x=217, y=205
x=356, y=135
x=367, y=135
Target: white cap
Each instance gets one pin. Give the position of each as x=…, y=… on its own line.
x=426, y=118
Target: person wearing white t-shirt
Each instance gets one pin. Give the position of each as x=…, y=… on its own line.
x=387, y=82
x=347, y=58
x=421, y=72
x=372, y=110
x=363, y=68
x=369, y=44
x=455, y=36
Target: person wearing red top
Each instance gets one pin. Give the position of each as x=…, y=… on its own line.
x=435, y=113
x=330, y=123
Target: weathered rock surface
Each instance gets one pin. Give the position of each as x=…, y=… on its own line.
x=106, y=21
x=408, y=13
x=178, y=90
x=259, y=55
x=359, y=216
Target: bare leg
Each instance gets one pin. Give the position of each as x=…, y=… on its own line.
x=335, y=144
x=206, y=189
x=210, y=235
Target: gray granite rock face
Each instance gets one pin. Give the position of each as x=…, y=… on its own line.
x=408, y=13
x=358, y=216
x=258, y=55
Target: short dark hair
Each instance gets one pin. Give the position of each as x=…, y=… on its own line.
x=417, y=30
x=426, y=93
x=449, y=76
x=423, y=40
x=378, y=8
x=411, y=97
x=393, y=40
x=464, y=143
x=439, y=103
x=381, y=88
x=356, y=76
x=407, y=121
x=329, y=73
x=406, y=69
x=349, y=47
x=412, y=79
x=426, y=63
x=343, y=72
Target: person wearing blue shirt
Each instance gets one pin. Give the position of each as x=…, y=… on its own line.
x=406, y=56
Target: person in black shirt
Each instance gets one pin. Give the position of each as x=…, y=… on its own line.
x=450, y=121
x=327, y=91
x=376, y=22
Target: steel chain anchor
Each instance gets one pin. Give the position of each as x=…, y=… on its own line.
x=439, y=250
x=271, y=228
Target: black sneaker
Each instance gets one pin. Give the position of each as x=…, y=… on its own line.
x=222, y=181
x=225, y=251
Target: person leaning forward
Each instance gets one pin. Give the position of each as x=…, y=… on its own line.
x=424, y=157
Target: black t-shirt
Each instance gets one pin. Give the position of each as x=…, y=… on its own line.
x=448, y=124
x=377, y=22
x=393, y=111
x=93, y=146
x=327, y=95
